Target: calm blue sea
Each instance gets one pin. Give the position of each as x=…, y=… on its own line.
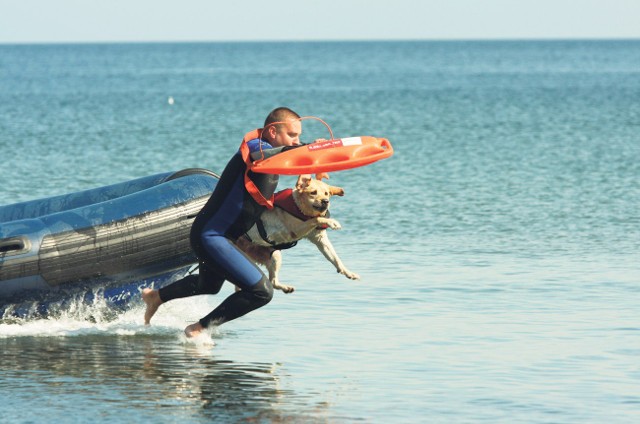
x=499, y=248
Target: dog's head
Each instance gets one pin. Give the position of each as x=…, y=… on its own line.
x=312, y=195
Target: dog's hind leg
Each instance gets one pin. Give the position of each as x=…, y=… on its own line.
x=273, y=266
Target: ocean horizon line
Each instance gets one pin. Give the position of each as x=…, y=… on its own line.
x=325, y=41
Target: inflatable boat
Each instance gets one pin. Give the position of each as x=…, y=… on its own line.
x=105, y=243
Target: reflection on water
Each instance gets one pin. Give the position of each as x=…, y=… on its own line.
x=161, y=379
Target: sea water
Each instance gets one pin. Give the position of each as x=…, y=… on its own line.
x=499, y=248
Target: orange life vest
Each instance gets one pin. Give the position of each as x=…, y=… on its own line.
x=251, y=187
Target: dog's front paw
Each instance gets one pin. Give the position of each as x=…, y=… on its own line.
x=350, y=275
x=331, y=223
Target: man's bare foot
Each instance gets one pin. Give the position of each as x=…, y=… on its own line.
x=194, y=330
x=152, y=299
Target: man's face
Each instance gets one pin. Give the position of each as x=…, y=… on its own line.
x=287, y=134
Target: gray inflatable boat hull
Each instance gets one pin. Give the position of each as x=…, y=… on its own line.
x=107, y=237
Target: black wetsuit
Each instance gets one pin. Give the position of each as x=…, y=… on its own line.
x=230, y=212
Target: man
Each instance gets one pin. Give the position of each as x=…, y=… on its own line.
x=235, y=205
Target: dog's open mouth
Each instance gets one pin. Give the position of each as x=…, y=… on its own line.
x=321, y=207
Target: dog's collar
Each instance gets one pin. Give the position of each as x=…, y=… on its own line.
x=284, y=200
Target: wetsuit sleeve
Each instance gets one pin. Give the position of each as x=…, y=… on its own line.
x=287, y=148
x=267, y=153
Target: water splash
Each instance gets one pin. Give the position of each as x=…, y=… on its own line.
x=78, y=318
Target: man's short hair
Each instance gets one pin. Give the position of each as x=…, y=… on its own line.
x=280, y=114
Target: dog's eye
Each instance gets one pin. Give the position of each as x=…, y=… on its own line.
x=314, y=192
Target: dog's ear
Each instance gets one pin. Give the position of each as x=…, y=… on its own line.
x=322, y=175
x=336, y=191
x=303, y=181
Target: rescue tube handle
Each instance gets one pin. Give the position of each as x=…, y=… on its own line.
x=385, y=144
x=14, y=246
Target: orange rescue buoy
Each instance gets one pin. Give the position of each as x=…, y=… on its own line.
x=326, y=156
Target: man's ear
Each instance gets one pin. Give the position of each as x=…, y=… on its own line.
x=271, y=131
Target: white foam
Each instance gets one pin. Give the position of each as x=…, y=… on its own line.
x=171, y=318
x=204, y=339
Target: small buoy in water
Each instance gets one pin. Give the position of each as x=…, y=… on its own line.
x=170, y=100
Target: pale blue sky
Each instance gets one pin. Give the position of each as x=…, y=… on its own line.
x=213, y=20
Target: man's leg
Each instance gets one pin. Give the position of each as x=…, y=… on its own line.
x=256, y=290
x=207, y=281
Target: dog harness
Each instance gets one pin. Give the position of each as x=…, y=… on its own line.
x=284, y=200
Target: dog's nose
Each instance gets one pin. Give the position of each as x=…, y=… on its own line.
x=324, y=202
